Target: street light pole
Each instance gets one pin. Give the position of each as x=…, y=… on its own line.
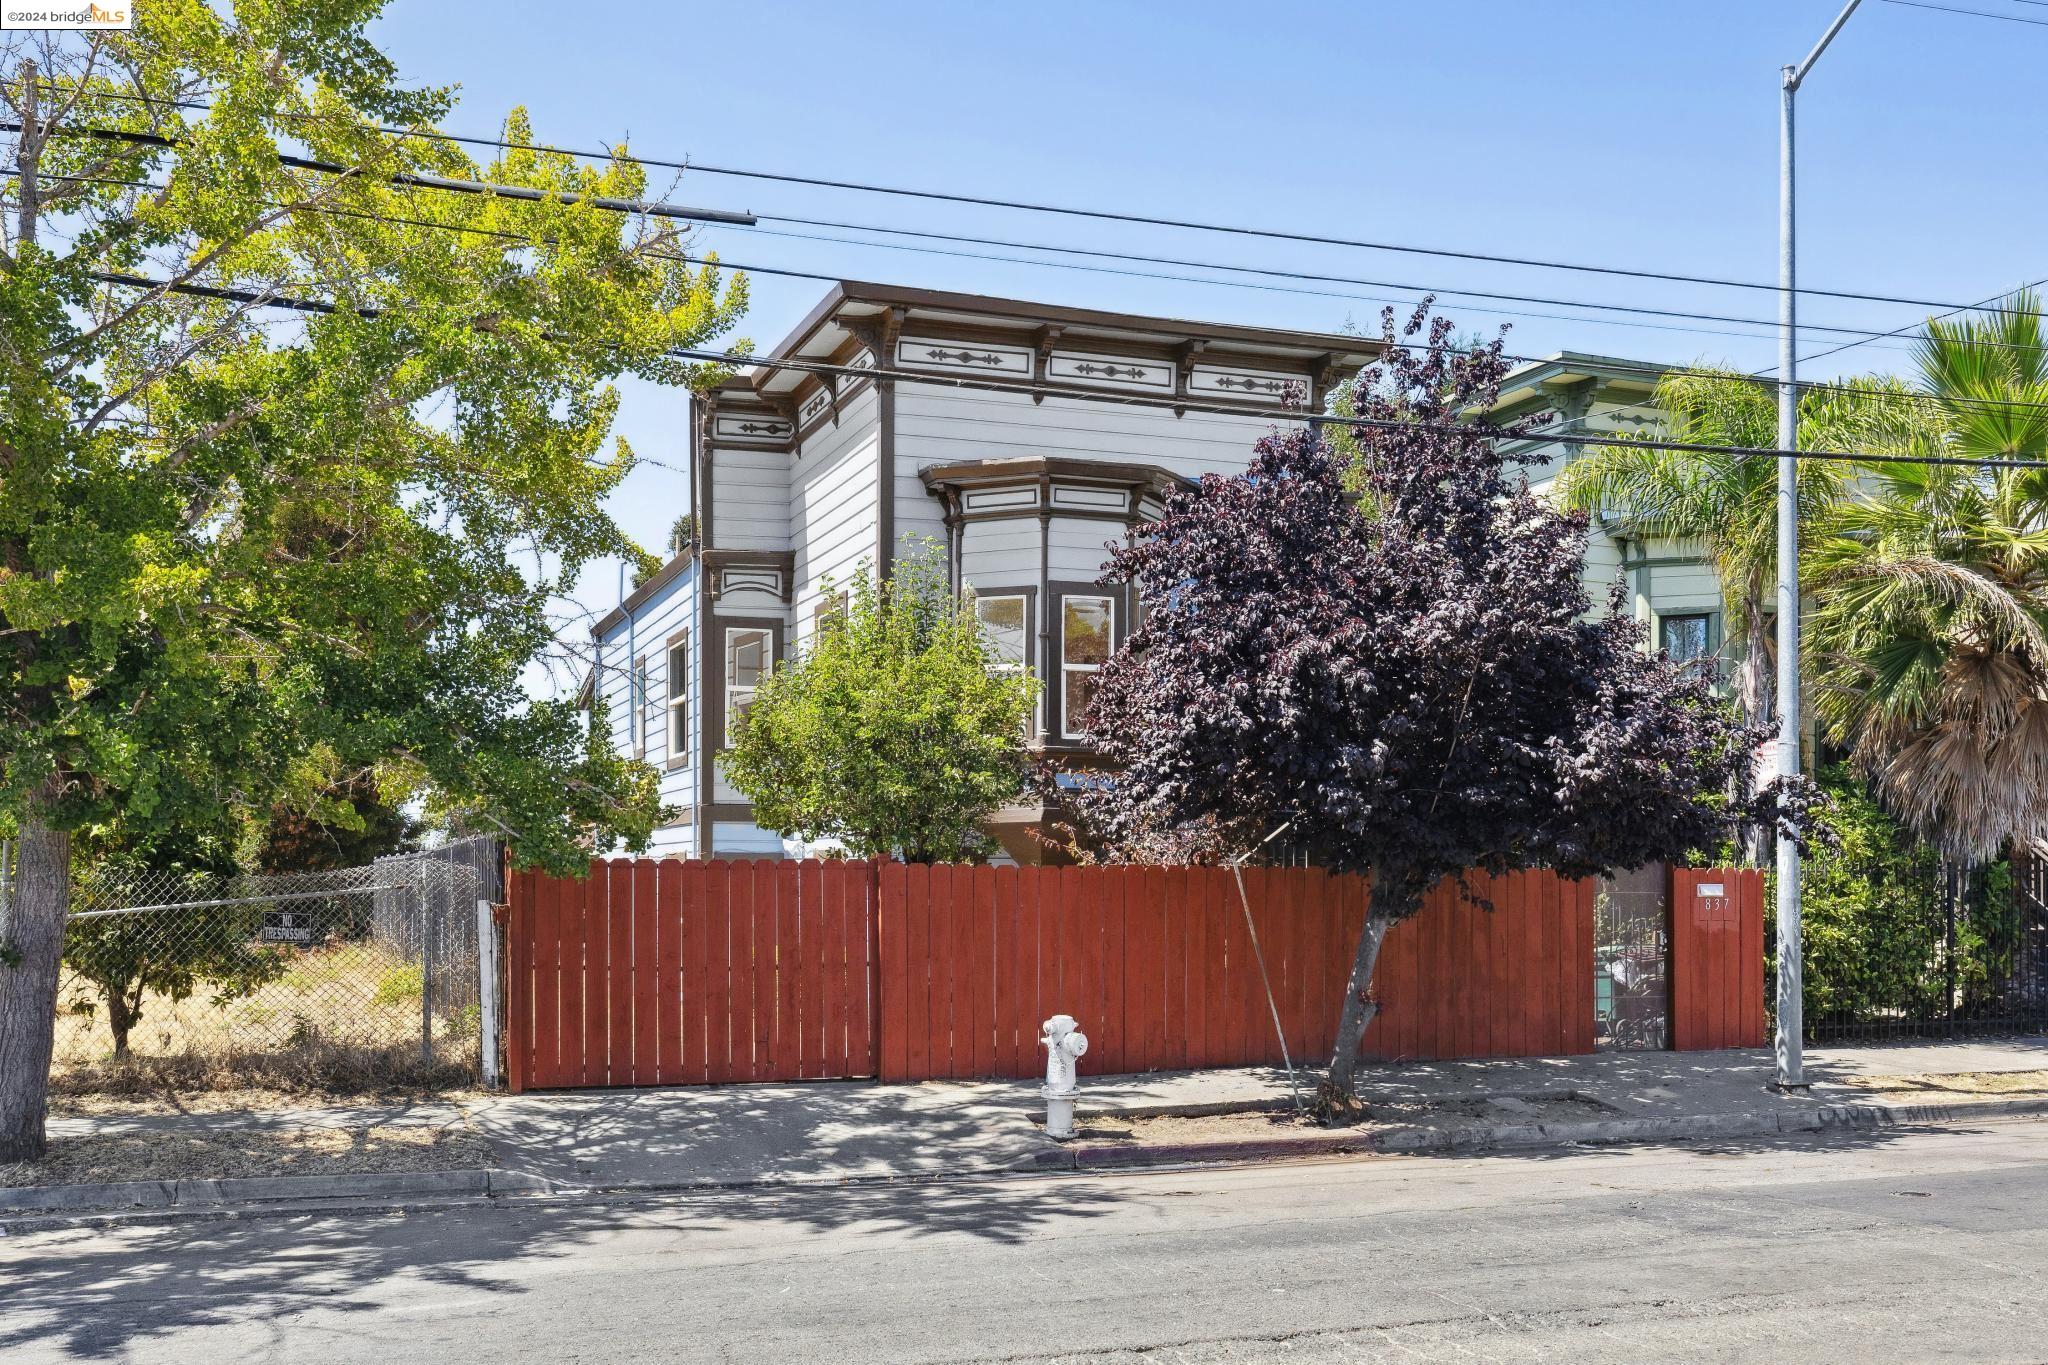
x=1791, y=1011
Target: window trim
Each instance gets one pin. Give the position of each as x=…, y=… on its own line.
x=1034, y=723
x=677, y=699
x=1023, y=597
x=1064, y=729
x=636, y=705
x=1710, y=647
x=728, y=627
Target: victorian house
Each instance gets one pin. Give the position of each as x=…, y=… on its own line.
x=1020, y=439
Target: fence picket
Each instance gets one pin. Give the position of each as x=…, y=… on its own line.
x=666, y=972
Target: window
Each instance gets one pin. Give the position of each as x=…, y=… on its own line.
x=747, y=660
x=1086, y=624
x=637, y=703
x=1003, y=629
x=678, y=695
x=829, y=607
x=1683, y=638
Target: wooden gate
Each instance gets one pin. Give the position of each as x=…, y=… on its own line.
x=663, y=972
x=1717, y=958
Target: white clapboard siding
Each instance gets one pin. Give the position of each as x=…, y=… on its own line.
x=1079, y=548
x=936, y=426
x=733, y=836
x=832, y=504
x=669, y=610
x=1000, y=553
x=750, y=499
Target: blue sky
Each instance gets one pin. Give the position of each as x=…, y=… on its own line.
x=1640, y=133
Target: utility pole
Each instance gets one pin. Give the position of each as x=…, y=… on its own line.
x=1791, y=967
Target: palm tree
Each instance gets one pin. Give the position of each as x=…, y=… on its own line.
x=1930, y=635
x=1725, y=504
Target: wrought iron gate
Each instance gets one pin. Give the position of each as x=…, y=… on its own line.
x=1631, y=961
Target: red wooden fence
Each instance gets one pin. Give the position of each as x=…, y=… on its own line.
x=1156, y=965
x=1717, y=958
x=663, y=972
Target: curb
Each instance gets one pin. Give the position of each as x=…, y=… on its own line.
x=1521, y=1136
x=185, y=1194
x=154, y=1199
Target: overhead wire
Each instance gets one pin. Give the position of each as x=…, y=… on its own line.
x=1645, y=369
x=684, y=165
x=1974, y=13
x=1175, y=402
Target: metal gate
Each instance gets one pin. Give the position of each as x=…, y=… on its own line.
x=1632, y=961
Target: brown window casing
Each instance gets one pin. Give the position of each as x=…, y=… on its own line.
x=678, y=685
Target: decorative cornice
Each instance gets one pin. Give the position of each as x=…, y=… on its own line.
x=718, y=564
x=1048, y=337
x=1184, y=366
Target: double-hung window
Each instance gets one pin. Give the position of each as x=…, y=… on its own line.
x=1086, y=626
x=679, y=696
x=637, y=705
x=1683, y=638
x=1003, y=627
x=748, y=653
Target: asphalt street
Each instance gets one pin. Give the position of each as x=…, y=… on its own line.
x=1907, y=1245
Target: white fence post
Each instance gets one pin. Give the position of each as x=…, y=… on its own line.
x=487, y=991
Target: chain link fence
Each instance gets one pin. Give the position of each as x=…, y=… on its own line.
x=371, y=966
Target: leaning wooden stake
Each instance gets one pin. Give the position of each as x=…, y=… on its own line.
x=1237, y=871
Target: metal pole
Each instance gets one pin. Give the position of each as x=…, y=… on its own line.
x=1791, y=966
x=487, y=992
x=1791, y=1020
x=419, y=882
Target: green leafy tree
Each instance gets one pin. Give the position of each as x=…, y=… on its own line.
x=897, y=733
x=120, y=961
x=247, y=555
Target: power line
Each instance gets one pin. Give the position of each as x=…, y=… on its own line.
x=1648, y=371
x=1867, y=335
x=1273, y=272
x=1975, y=13
x=1644, y=369
x=879, y=372
x=1975, y=404
x=415, y=180
x=1104, y=215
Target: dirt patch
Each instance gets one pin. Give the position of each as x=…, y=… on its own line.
x=214, y=1154
x=1956, y=1083
x=1263, y=1123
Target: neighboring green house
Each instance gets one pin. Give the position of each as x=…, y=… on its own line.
x=1671, y=585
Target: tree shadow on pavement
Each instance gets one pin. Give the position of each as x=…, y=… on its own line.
x=112, y=1293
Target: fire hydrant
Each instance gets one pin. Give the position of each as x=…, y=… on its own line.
x=1064, y=1044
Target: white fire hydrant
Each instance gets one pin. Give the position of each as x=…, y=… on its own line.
x=1064, y=1044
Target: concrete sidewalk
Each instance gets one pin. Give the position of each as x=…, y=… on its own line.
x=827, y=1132
x=824, y=1132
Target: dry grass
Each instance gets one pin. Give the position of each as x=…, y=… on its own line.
x=357, y=993
x=342, y=1021
x=225, y=1153
x=1956, y=1083
x=281, y=1078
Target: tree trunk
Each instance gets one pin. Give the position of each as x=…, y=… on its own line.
x=28, y=981
x=120, y=1020
x=1391, y=900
